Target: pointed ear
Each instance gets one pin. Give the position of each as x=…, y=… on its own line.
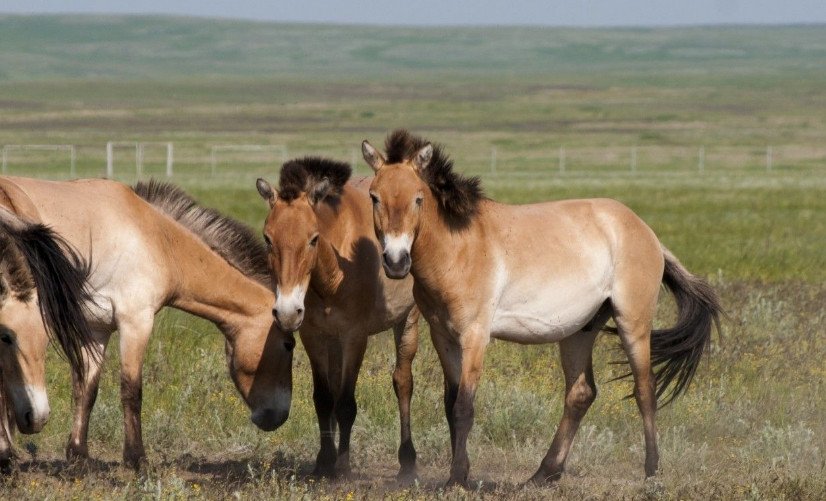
x=266, y=191
x=373, y=158
x=423, y=157
x=319, y=191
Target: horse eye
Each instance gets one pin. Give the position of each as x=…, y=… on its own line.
x=419, y=200
x=6, y=338
x=289, y=344
x=314, y=240
x=374, y=198
x=267, y=240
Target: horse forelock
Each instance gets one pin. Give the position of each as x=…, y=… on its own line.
x=302, y=175
x=458, y=196
x=14, y=269
x=232, y=240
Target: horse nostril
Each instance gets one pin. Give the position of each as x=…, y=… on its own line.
x=299, y=310
x=28, y=418
x=275, y=313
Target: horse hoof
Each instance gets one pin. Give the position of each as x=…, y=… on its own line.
x=324, y=471
x=407, y=476
x=135, y=463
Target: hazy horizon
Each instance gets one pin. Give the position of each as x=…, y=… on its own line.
x=555, y=13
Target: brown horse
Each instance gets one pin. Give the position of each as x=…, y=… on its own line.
x=328, y=280
x=540, y=273
x=153, y=246
x=42, y=292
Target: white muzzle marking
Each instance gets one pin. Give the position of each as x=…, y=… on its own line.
x=289, y=307
x=397, y=246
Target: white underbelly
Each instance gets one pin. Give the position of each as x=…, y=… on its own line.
x=534, y=315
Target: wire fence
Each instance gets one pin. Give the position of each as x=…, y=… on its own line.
x=226, y=162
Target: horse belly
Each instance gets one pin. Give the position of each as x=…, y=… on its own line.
x=531, y=315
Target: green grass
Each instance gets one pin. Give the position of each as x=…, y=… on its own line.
x=751, y=426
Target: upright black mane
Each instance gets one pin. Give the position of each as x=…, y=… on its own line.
x=232, y=240
x=38, y=258
x=458, y=195
x=302, y=175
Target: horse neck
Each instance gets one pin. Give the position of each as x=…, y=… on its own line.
x=327, y=274
x=204, y=284
x=435, y=247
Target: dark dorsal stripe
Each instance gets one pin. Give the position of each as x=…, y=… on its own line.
x=37, y=257
x=303, y=175
x=458, y=196
x=232, y=240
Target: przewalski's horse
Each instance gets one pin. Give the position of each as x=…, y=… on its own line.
x=153, y=247
x=327, y=274
x=42, y=293
x=539, y=273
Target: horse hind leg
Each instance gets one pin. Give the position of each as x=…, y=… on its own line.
x=406, y=336
x=634, y=319
x=580, y=392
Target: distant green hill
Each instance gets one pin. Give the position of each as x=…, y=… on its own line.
x=142, y=47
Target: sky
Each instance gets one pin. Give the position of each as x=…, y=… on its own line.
x=458, y=12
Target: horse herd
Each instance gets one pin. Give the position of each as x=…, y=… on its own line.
x=342, y=260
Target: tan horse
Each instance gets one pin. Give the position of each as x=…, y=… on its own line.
x=540, y=273
x=327, y=273
x=153, y=247
x=42, y=292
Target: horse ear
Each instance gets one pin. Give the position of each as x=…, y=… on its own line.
x=266, y=191
x=319, y=191
x=423, y=157
x=373, y=158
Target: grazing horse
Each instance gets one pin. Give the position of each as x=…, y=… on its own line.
x=154, y=246
x=42, y=292
x=539, y=273
x=327, y=275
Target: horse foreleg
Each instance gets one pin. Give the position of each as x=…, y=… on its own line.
x=316, y=347
x=345, y=406
x=134, y=336
x=580, y=391
x=466, y=355
x=84, y=394
x=406, y=336
x=6, y=431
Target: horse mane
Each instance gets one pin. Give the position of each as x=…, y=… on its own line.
x=303, y=175
x=458, y=196
x=232, y=240
x=34, y=257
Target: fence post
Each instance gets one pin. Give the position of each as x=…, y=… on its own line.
x=170, y=153
x=72, y=169
x=139, y=159
x=109, y=161
x=701, y=159
x=769, y=158
x=561, y=159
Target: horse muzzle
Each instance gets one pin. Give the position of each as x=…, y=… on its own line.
x=398, y=266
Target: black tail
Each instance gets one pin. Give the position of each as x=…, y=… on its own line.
x=60, y=275
x=676, y=352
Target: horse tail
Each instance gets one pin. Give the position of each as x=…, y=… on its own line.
x=60, y=276
x=676, y=351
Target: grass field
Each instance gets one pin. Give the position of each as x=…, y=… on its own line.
x=751, y=427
